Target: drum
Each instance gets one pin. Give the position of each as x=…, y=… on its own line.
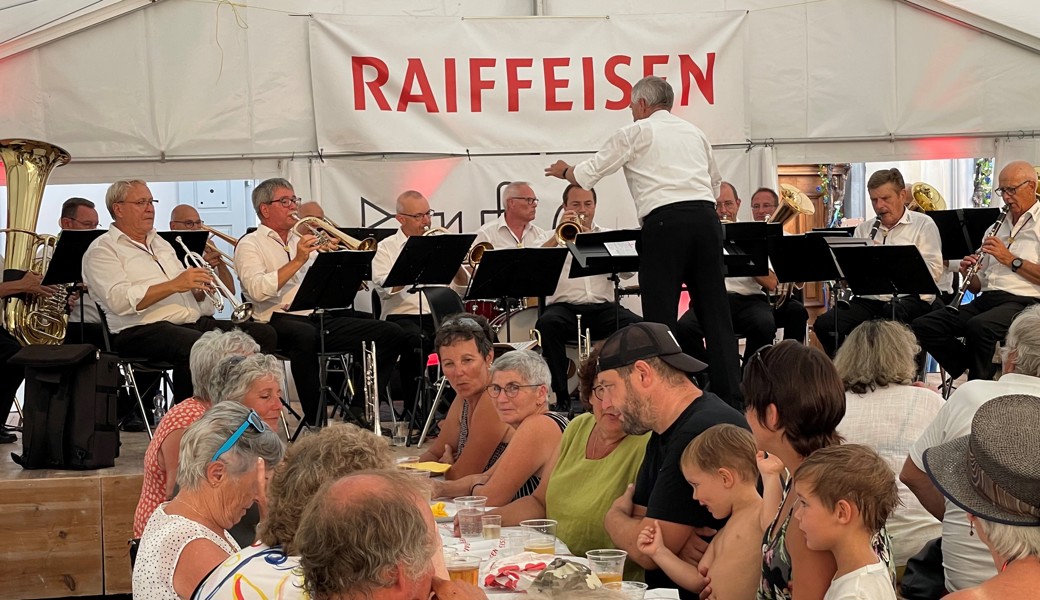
x=516, y=326
x=488, y=309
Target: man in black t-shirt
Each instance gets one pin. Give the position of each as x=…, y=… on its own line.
x=644, y=374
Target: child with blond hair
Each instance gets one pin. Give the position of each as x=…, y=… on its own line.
x=720, y=466
x=844, y=495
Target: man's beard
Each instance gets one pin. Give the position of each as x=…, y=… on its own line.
x=637, y=415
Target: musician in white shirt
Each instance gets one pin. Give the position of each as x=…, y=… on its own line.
x=1007, y=282
x=898, y=226
x=150, y=299
x=790, y=315
x=271, y=263
x=400, y=306
x=591, y=297
x=674, y=181
x=515, y=228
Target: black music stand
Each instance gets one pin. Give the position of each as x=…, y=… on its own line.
x=360, y=233
x=517, y=273
x=745, y=249
x=431, y=260
x=605, y=253
x=330, y=284
x=882, y=269
x=66, y=263
x=194, y=240
x=962, y=230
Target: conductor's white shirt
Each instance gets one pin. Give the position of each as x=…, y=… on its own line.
x=118, y=271
x=501, y=236
x=666, y=160
x=913, y=229
x=258, y=257
x=1026, y=245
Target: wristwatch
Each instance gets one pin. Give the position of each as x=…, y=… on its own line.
x=1016, y=264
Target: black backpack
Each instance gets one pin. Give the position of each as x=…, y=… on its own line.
x=70, y=407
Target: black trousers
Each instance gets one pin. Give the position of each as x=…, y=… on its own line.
x=752, y=319
x=680, y=244
x=861, y=310
x=792, y=316
x=558, y=325
x=11, y=376
x=983, y=323
x=172, y=343
x=299, y=338
x=417, y=346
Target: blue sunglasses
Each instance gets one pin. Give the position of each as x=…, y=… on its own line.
x=252, y=419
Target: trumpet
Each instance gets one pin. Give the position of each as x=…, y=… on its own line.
x=217, y=291
x=568, y=230
x=371, y=391
x=584, y=343
x=954, y=305
x=328, y=234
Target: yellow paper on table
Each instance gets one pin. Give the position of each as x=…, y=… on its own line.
x=438, y=510
x=432, y=467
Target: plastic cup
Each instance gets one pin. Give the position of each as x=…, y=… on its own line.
x=463, y=568
x=470, y=511
x=631, y=590
x=401, y=434
x=607, y=564
x=491, y=526
x=514, y=543
x=539, y=535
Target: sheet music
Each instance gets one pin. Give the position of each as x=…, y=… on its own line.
x=623, y=248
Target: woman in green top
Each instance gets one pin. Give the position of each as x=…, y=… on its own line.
x=593, y=465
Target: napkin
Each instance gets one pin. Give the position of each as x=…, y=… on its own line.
x=432, y=467
x=515, y=572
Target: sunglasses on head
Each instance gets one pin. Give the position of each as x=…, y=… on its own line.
x=252, y=419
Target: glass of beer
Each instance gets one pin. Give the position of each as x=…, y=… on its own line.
x=464, y=568
x=539, y=535
x=607, y=564
x=491, y=526
x=471, y=509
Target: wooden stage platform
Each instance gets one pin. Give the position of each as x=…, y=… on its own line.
x=65, y=533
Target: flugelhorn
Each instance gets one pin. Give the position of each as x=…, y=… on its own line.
x=568, y=230
x=427, y=230
x=955, y=305
x=217, y=291
x=328, y=234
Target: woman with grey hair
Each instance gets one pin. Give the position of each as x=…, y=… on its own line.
x=224, y=459
x=255, y=381
x=886, y=411
x=520, y=384
x=161, y=457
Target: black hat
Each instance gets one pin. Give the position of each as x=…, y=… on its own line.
x=645, y=340
x=994, y=472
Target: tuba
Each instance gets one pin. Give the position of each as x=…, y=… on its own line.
x=31, y=320
x=924, y=198
x=792, y=202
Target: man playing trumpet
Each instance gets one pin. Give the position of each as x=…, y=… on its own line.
x=151, y=300
x=184, y=217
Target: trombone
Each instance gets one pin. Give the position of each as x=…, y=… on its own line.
x=328, y=234
x=228, y=260
x=216, y=291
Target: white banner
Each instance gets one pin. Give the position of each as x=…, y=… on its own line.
x=515, y=85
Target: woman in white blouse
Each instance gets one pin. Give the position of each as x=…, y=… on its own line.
x=886, y=411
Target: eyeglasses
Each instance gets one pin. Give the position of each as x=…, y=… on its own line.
x=286, y=201
x=602, y=389
x=1009, y=191
x=254, y=420
x=511, y=389
x=530, y=201
x=428, y=213
x=87, y=224
x=139, y=203
x=191, y=224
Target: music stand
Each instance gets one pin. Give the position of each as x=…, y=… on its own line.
x=425, y=261
x=360, y=233
x=194, y=240
x=331, y=283
x=66, y=263
x=744, y=249
x=961, y=230
x=605, y=253
x=881, y=269
x=517, y=273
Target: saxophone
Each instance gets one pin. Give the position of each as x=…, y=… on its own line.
x=30, y=319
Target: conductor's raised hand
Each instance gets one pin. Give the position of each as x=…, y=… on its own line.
x=557, y=169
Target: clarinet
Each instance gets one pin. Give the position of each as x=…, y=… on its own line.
x=874, y=228
x=954, y=305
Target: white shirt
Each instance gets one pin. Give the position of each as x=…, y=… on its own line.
x=665, y=158
x=258, y=257
x=501, y=236
x=889, y=420
x=871, y=582
x=119, y=271
x=594, y=289
x=401, y=302
x=1026, y=245
x=913, y=229
x=966, y=560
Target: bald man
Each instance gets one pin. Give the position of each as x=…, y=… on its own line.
x=184, y=217
x=1008, y=280
x=310, y=209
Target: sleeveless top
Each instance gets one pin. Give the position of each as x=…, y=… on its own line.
x=258, y=571
x=164, y=539
x=153, y=486
x=532, y=482
x=464, y=436
x=776, y=563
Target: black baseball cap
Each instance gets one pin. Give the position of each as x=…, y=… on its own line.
x=646, y=340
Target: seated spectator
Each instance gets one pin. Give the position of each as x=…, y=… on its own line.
x=795, y=400
x=884, y=410
x=255, y=381
x=270, y=566
x=993, y=474
x=845, y=494
x=471, y=436
x=720, y=464
x=160, y=459
x=594, y=448
x=520, y=384
x=224, y=459
x=371, y=535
